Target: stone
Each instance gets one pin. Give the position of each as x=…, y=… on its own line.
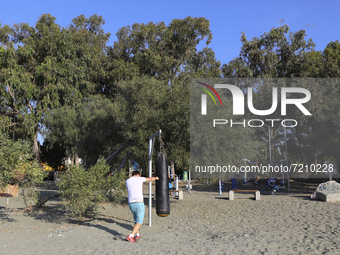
x=257, y=195
x=180, y=195
x=327, y=197
x=328, y=192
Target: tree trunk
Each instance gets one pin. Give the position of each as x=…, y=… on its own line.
x=76, y=160
x=303, y=154
x=316, y=160
x=173, y=170
x=42, y=202
x=35, y=145
x=124, y=161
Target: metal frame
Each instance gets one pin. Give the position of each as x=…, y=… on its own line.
x=245, y=172
x=151, y=145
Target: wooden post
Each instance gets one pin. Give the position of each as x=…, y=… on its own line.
x=7, y=198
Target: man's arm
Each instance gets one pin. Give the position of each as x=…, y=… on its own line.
x=151, y=179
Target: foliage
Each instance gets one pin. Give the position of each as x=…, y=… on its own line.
x=277, y=54
x=168, y=54
x=90, y=99
x=45, y=66
x=18, y=167
x=60, y=67
x=89, y=130
x=284, y=54
x=83, y=190
x=53, y=154
x=159, y=50
x=142, y=103
x=331, y=56
x=100, y=130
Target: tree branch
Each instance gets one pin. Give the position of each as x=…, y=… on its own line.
x=42, y=202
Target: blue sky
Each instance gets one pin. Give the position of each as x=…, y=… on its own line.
x=227, y=18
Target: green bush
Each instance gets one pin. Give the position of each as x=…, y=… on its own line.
x=83, y=190
x=17, y=166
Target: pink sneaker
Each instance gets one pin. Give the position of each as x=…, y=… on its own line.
x=130, y=239
x=137, y=238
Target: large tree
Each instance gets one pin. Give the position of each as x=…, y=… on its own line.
x=159, y=50
x=277, y=54
x=47, y=66
x=89, y=130
x=284, y=54
x=167, y=53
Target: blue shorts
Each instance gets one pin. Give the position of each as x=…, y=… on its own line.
x=138, y=210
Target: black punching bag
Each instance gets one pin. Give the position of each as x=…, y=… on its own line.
x=162, y=185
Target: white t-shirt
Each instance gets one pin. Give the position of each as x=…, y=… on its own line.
x=134, y=187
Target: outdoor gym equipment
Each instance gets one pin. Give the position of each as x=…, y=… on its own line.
x=151, y=144
x=271, y=184
x=233, y=183
x=283, y=181
x=243, y=167
x=189, y=186
x=162, y=186
x=245, y=172
x=220, y=187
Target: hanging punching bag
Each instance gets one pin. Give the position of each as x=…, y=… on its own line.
x=162, y=185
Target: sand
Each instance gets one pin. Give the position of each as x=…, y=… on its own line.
x=202, y=223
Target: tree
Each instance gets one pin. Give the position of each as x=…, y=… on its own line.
x=47, y=66
x=278, y=54
x=331, y=56
x=168, y=54
x=13, y=80
x=89, y=130
x=159, y=50
x=142, y=108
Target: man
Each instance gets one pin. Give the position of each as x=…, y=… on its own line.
x=134, y=187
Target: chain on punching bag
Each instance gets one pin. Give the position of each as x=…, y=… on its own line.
x=162, y=185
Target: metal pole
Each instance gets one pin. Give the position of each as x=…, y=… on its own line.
x=151, y=144
x=245, y=172
x=270, y=147
x=245, y=176
x=270, y=150
x=283, y=176
x=286, y=158
x=150, y=175
x=220, y=187
x=189, y=183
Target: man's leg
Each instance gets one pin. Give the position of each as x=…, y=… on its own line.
x=131, y=237
x=138, y=211
x=136, y=228
x=139, y=220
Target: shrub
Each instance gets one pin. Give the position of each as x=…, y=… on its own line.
x=83, y=190
x=17, y=166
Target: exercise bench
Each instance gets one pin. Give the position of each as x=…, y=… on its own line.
x=256, y=193
x=178, y=193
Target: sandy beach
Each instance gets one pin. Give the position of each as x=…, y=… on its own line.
x=202, y=223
